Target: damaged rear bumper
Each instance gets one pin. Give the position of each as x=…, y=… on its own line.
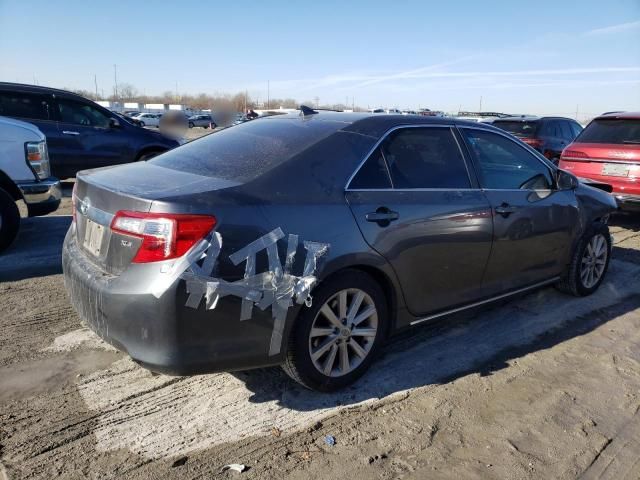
x=162, y=333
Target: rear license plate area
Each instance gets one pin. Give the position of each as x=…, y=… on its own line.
x=93, y=236
x=615, y=170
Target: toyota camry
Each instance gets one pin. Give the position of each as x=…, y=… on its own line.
x=306, y=240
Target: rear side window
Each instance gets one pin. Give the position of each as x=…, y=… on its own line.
x=612, y=130
x=505, y=165
x=425, y=157
x=565, y=127
x=246, y=151
x=24, y=105
x=524, y=129
x=373, y=174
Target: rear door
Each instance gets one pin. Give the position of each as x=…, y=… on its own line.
x=88, y=140
x=417, y=205
x=37, y=109
x=534, y=223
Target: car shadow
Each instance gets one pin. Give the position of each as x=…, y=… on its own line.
x=37, y=251
x=477, y=342
x=631, y=223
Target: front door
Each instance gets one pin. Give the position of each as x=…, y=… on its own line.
x=533, y=222
x=416, y=205
x=88, y=139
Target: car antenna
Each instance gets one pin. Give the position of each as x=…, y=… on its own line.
x=304, y=111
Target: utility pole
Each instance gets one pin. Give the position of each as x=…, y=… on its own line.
x=177, y=91
x=480, y=102
x=577, y=106
x=95, y=82
x=268, y=97
x=115, y=81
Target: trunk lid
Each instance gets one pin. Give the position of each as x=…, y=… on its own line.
x=615, y=164
x=99, y=194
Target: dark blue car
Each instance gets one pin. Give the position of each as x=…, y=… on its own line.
x=80, y=133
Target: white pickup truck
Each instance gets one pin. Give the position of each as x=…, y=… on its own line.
x=24, y=175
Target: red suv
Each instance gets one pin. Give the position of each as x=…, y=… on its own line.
x=608, y=151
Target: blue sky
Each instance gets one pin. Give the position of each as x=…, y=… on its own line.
x=542, y=57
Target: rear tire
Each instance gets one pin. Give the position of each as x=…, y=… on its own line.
x=9, y=220
x=589, y=262
x=335, y=340
x=142, y=124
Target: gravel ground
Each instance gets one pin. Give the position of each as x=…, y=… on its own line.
x=542, y=386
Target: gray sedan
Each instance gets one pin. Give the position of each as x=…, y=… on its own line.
x=307, y=240
x=204, y=121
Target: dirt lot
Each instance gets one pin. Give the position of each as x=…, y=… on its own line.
x=543, y=386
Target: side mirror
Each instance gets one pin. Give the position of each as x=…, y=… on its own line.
x=566, y=181
x=114, y=123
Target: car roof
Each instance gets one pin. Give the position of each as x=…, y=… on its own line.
x=22, y=87
x=621, y=115
x=374, y=124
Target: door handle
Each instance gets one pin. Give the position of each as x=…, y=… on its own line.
x=505, y=209
x=382, y=216
x=70, y=132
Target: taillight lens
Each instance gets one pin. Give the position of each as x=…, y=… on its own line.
x=534, y=142
x=573, y=154
x=38, y=157
x=164, y=235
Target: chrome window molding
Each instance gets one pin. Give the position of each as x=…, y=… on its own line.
x=384, y=137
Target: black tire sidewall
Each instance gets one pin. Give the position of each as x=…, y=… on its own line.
x=299, y=345
x=596, y=230
x=10, y=220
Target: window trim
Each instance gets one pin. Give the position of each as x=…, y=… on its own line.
x=537, y=155
x=451, y=127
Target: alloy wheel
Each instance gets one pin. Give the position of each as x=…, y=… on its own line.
x=593, y=261
x=343, y=332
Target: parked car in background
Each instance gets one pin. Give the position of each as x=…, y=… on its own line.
x=24, y=175
x=148, y=119
x=80, y=133
x=128, y=118
x=548, y=135
x=204, y=121
x=608, y=151
x=421, y=217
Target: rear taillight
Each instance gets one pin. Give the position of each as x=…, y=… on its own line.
x=533, y=142
x=38, y=158
x=568, y=154
x=164, y=235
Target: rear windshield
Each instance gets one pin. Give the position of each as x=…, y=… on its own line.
x=523, y=129
x=611, y=131
x=246, y=151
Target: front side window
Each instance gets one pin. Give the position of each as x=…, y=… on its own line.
x=425, y=157
x=24, y=105
x=81, y=114
x=505, y=165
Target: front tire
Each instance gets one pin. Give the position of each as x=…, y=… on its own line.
x=335, y=340
x=9, y=220
x=589, y=263
x=191, y=125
